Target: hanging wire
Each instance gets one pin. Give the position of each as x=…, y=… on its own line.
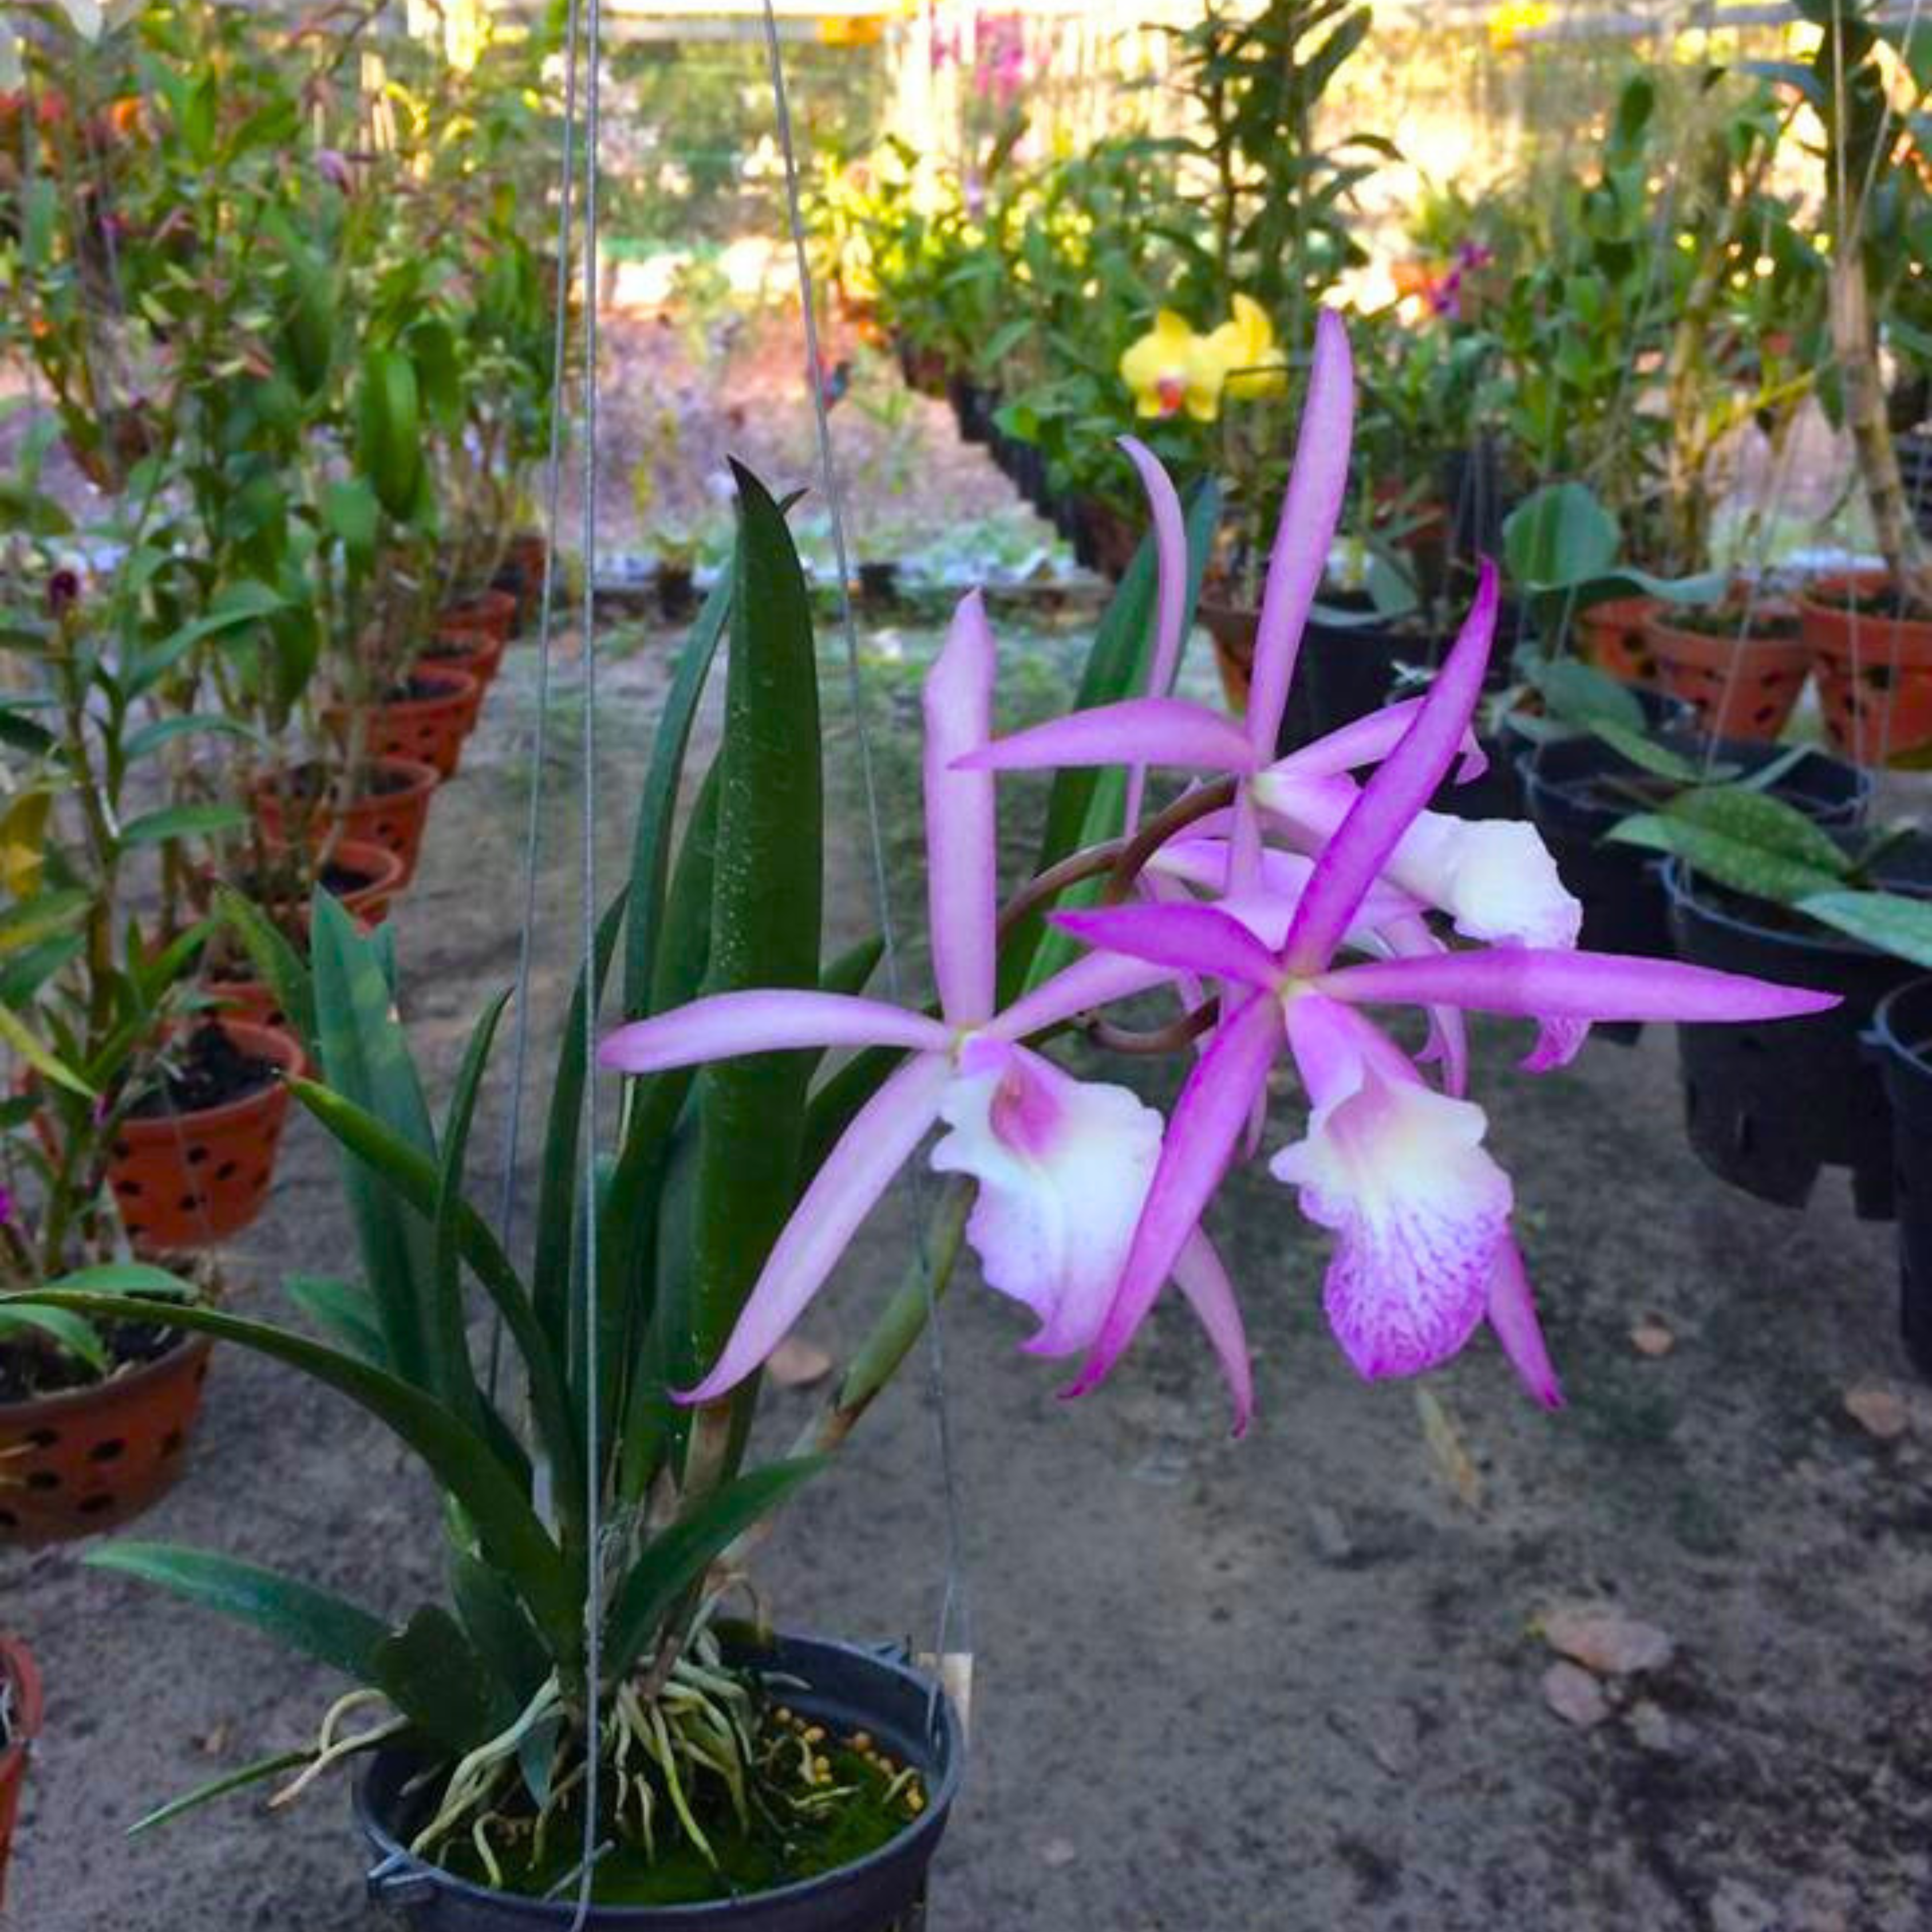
x=954, y=1609
x=538, y=753
x=593, y=1531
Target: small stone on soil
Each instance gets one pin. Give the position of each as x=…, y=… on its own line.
x=1879, y=1411
x=1607, y=1641
x=1057, y=1852
x=1652, y=1339
x=1575, y=1696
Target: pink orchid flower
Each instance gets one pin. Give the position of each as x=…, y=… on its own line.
x=1063, y=1166
x=1396, y=1170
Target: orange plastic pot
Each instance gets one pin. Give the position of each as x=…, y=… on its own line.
x=528, y=555
x=190, y=1180
x=1741, y=687
x=23, y=1682
x=88, y=1459
x=429, y=728
x=393, y=820
x=251, y=1000
x=1874, y=672
x=490, y=614
x=1614, y=637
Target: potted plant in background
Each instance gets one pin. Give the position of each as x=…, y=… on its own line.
x=1867, y=83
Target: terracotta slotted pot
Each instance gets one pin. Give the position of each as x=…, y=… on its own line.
x=471, y=653
x=430, y=727
x=23, y=1680
x=392, y=819
x=1614, y=636
x=490, y=614
x=88, y=1459
x=1743, y=686
x=1874, y=672
x=190, y=1180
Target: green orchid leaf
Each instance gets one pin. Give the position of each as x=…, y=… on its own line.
x=1647, y=755
x=1744, y=868
x=165, y=731
x=314, y=1623
x=657, y=808
x=413, y=1176
x=1758, y=820
x=448, y=1317
x=678, y=1558
x=15, y=1032
x=1886, y=922
x=259, y=1772
x=364, y=1057
x=1579, y=694
x=341, y=1310
x=279, y=966
x=182, y=821
x=766, y=908
x=67, y=1332
x=498, y=1629
x=431, y=1673
x=1559, y=535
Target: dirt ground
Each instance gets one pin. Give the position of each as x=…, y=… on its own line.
x=1292, y=1685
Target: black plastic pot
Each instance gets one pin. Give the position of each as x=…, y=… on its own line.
x=879, y=583
x=1901, y=1041
x=677, y=592
x=1766, y=1106
x=972, y=409
x=1473, y=489
x=1625, y=909
x=851, y=1688
x=1350, y=670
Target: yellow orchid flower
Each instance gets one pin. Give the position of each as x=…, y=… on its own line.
x=1171, y=368
x=1253, y=364
x=1514, y=18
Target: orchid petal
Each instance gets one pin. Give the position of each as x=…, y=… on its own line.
x=1399, y=1173
x=1096, y=981
x=1367, y=741
x=1207, y=1122
x=1573, y=986
x=883, y=1134
x=1184, y=938
x=1170, y=536
x=1063, y=1167
x=1494, y=878
x=1171, y=731
x=1512, y=1314
x=1201, y=1275
x=726, y=1024
x=1401, y=787
x=1410, y=938
x=1309, y=513
x=961, y=833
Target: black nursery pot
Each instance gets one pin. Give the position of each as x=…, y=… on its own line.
x=1901, y=1042
x=677, y=592
x=972, y=409
x=1624, y=906
x=1766, y=1106
x=1349, y=669
x=879, y=583
x=851, y=1688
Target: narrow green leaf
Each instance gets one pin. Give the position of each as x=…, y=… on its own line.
x=281, y=968
x=448, y=1317
x=679, y=1556
x=15, y=1032
x=501, y=1634
x=413, y=1176
x=182, y=821
x=657, y=807
x=341, y=1310
x=314, y=1623
x=364, y=1057
x=259, y=1772
x=164, y=731
x=766, y=908
x=66, y=1331
x=1647, y=755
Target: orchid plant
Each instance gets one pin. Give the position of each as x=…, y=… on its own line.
x=1256, y=883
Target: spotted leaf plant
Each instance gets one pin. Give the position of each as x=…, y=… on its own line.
x=1277, y=901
